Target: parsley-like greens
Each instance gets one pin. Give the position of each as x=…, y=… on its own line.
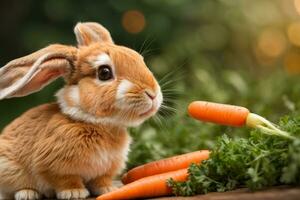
x=255, y=162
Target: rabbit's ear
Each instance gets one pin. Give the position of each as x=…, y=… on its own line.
x=91, y=32
x=31, y=73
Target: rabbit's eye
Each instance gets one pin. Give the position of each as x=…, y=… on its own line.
x=105, y=73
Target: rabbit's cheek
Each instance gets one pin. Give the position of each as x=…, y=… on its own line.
x=124, y=87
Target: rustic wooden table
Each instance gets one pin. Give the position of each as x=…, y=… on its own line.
x=274, y=193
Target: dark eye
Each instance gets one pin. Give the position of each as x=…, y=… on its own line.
x=105, y=73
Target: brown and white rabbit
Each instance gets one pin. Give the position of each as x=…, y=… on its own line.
x=76, y=146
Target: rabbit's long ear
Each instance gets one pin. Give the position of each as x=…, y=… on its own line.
x=31, y=73
x=91, y=32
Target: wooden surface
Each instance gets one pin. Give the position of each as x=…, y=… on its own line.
x=275, y=193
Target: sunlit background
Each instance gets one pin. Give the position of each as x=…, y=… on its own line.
x=244, y=52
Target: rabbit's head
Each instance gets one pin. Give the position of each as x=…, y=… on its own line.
x=105, y=82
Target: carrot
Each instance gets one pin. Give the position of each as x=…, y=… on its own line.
x=233, y=116
x=151, y=186
x=219, y=113
x=165, y=165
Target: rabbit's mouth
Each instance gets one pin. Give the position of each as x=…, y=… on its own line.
x=148, y=112
x=154, y=102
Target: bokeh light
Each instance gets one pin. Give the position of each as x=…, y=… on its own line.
x=133, y=21
x=292, y=62
x=271, y=44
x=297, y=5
x=293, y=33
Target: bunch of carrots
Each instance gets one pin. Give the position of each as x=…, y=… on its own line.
x=150, y=180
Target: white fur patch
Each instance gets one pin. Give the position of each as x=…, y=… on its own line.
x=102, y=59
x=74, y=94
x=27, y=195
x=123, y=88
x=159, y=98
x=73, y=194
x=75, y=112
x=78, y=114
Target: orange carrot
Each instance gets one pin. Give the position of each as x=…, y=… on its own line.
x=218, y=113
x=151, y=186
x=165, y=165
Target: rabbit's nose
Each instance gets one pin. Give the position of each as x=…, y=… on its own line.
x=150, y=94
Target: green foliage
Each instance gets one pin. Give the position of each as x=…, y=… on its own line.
x=152, y=141
x=255, y=162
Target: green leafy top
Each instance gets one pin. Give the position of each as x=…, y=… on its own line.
x=256, y=162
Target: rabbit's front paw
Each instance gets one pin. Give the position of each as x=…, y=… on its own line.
x=27, y=194
x=73, y=194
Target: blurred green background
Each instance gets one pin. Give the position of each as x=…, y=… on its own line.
x=244, y=52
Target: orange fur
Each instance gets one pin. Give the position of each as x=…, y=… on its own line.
x=80, y=142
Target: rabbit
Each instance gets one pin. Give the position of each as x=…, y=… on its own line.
x=74, y=147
